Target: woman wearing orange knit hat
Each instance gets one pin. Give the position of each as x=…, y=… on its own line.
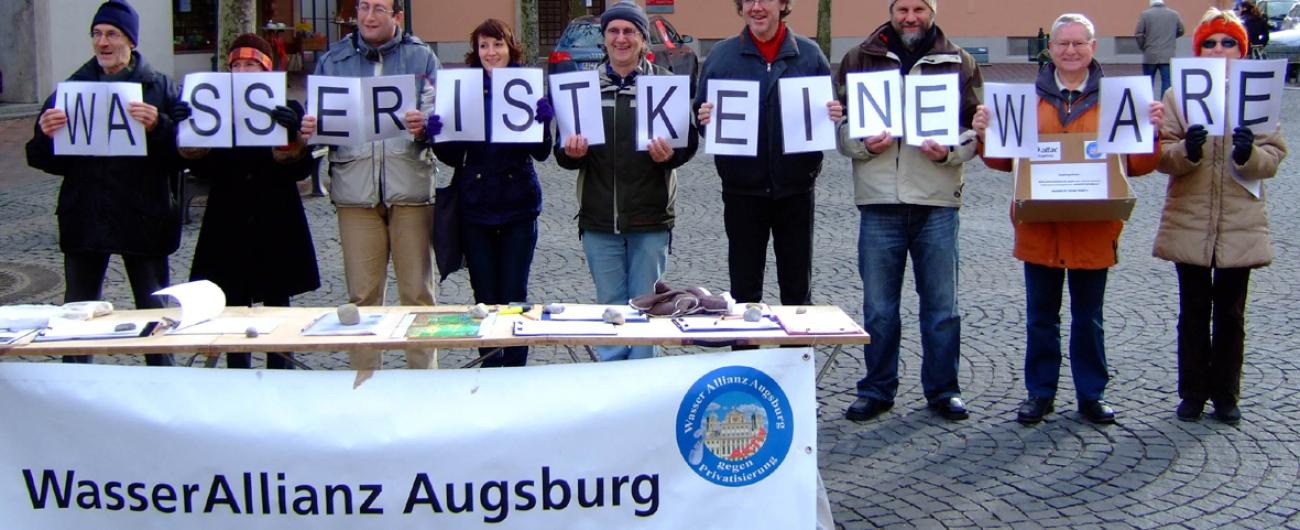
x=1215, y=230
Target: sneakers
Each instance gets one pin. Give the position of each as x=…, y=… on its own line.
x=866, y=408
x=952, y=409
x=1034, y=409
x=1228, y=414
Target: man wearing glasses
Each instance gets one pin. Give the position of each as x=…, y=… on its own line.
x=908, y=198
x=383, y=191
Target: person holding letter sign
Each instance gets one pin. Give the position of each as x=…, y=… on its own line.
x=1068, y=95
x=909, y=197
x=255, y=242
x=771, y=195
x=117, y=204
x=625, y=196
x=383, y=190
x=1215, y=230
x=497, y=190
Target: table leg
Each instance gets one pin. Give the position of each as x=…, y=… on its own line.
x=829, y=361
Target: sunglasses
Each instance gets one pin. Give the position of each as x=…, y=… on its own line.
x=1209, y=44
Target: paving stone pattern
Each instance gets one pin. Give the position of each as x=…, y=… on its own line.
x=909, y=468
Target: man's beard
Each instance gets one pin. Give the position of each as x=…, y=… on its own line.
x=910, y=39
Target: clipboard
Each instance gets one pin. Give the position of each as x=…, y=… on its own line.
x=819, y=324
x=543, y=328
x=91, y=330
x=595, y=313
x=701, y=324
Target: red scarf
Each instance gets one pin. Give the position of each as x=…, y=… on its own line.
x=770, y=48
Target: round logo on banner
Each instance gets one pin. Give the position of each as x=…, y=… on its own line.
x=734, y=427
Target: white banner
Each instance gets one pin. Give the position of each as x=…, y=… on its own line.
x=99, y=123
x=576, y=96
x=673, y=442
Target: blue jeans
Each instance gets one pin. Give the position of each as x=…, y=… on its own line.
x=887, y=234
x=498, y=258
x=1150, y=70
x=624, y=266
x=1043, y=287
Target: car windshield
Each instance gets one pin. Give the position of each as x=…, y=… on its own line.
x=581, y=36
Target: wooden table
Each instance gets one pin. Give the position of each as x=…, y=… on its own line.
x=287, y=335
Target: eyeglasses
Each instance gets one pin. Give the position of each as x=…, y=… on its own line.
x=751, y=2
x=1067, y=45
x=363, y=9
x=1209, y=44
x=626, y=32
x=110, y=35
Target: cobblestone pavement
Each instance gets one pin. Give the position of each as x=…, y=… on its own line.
x=910, y=468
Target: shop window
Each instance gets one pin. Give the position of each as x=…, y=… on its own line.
x=194, y=25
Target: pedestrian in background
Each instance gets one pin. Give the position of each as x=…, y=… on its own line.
x=383, y=191
x=1081, y=251
x=118, y=204
x=1215, y=230
x=908, y=200
x=497, y=190
x=255, y=243
x=625, y=197
x=1257, y=28
x=1158, y=30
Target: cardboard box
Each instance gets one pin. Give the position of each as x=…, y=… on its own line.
x=1076, y=148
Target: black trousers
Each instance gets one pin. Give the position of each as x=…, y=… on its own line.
x=83, y=276
x=789, y=221
x=274, y=360
x=1209, y=363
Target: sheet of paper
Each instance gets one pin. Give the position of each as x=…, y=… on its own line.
x=1199, y=91
x=542, y=328
x=126, y=135
x=697, y=324
x=1255, y=94
x=336, y=104
x=87, y=110
x=381, y=324
x=459, y=104
x=576, y=96
x=733, y=130
x=515, y=92
x=1068, y=181
x=211, y=120
x=229, y=326
x=933, y=108
x=200, y=301
x=805, y=121
x=386, y=100
x=256, y=95
x=9, y=337
x=1125, y=108
x=595, y=312
x=61, y=329
x=875, y=103
x=1013, y=130
x=1255, y=187
x=663, y=104
x=819, y=324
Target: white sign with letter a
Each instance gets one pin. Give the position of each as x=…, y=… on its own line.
x=99, y=123
x=1126, y=116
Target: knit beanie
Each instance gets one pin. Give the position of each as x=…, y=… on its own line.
x=626, y=10
x=121, y=15
x=934, y=4
x=1222, y=22
x=250, y=46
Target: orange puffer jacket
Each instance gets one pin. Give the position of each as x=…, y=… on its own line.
x=1076, y=244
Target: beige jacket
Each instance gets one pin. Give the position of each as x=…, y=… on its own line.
x=1209, y=218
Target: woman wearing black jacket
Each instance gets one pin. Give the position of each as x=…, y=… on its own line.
x=498, y=192
x=255, y=243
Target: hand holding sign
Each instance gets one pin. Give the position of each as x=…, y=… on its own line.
x=52, y=120
x=575, y=146
x=879, y=143
x=144, y=113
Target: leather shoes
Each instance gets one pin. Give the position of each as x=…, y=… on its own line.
x=1097, y=411
x=1034, y=409
x=866, y=408
x=1190, y=410
x=951, y=409
x=1228, y=414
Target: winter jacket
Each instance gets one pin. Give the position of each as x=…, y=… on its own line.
x=118, y=204
x=396, y=171
x=621, y=189
x=772, y=173
x=255, y=242
x=1075, y=244
x=1157, y=33
x=495, y=182
x=1209, y=218
x=903, y=174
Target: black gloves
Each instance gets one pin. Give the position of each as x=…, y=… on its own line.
x=1195, y=141
x=180, y=112
x=289, y=117
x=1243, y=143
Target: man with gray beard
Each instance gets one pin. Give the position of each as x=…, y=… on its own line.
x=908, y=198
